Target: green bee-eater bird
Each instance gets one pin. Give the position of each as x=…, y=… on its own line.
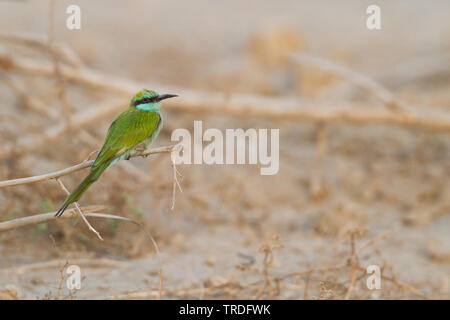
x=132, y=131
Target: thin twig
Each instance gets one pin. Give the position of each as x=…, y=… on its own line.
x=175, y=184
x=61, y=184
x=44, y=217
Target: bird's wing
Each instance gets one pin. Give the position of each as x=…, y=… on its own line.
x=129, y=129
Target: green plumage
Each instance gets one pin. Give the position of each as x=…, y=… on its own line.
x=132, y=131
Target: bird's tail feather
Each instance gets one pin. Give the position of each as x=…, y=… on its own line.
x=82, y=187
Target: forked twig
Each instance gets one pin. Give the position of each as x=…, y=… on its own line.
x=61, y=184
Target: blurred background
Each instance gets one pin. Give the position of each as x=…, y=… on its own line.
x=351, y=192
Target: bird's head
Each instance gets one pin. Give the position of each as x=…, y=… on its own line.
x=149, y=100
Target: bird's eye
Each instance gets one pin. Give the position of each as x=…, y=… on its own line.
x=146, y=100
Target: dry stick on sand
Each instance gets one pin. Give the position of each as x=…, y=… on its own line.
x=284, y=108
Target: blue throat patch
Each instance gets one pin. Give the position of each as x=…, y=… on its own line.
x=151, y=106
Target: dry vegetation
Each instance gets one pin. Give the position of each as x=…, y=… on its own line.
x=364, y=159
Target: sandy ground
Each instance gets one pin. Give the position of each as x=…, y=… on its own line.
x=383, y=190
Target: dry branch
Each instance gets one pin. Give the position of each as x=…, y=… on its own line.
x=37, y=41
x=87, y=163
x=352, y=76
x=82, y=165
x=44, y=217
x=195, y=100
x=419, y=69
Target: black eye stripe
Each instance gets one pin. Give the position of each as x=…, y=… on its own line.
x=145, y=100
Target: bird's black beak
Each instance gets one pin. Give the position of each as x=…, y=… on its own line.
x=166, y=96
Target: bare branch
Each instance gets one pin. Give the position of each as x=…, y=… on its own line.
x=80, y=166
x=47, y=176
x=65, y=52
x=249, y=105
x=352, y=76
x=418, y=69
x=44, y=217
